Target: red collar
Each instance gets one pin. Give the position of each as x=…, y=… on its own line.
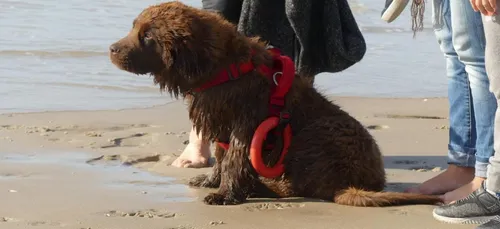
x=233, y=72
x=283, y=68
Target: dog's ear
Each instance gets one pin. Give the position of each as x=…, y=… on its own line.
x=190, y=60
x=166, y=53
x=187, y=60
x=196, y=54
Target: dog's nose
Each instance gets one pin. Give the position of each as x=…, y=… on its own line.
x=114, y=48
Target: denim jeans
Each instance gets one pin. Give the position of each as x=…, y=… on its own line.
x=492, y=31
x=460, y=34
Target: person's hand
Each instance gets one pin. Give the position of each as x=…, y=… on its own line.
x=486, y=7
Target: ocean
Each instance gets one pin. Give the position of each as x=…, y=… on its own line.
x=54, y=56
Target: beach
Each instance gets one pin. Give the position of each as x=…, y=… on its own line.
x=110, y=170
x=85, y=145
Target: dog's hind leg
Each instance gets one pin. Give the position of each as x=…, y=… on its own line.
x=211, y=180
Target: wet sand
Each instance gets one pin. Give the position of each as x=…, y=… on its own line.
x=110, y=170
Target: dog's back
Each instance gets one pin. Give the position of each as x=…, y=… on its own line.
x=334, y=157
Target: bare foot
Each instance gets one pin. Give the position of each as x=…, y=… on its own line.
x=452, y=178
x=463, y=191
x=196, y=153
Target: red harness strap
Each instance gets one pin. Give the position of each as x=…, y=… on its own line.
x=281, y=74
x=232, y=73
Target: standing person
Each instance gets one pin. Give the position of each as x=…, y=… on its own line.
x=484, y=203
x=320, y=36
x=460, y=34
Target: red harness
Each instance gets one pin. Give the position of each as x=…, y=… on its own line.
x=281, y=74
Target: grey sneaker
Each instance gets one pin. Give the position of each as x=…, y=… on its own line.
x=492, y=224
x=479, y=207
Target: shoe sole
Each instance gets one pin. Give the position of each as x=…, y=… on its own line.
x=470, y=220
x=394, y=10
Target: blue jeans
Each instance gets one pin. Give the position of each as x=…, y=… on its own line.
x=460, y=34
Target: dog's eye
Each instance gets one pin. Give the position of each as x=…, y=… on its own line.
x=147, y=36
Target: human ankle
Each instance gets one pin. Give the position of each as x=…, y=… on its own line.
x=461, y=169
x=199, y=144
x=492, y=192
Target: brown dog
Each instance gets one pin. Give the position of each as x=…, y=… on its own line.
x=331, y=156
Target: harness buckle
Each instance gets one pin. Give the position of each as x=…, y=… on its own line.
x=274, y=77
x=270, y=47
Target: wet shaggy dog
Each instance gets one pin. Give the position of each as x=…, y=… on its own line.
x=331, y=157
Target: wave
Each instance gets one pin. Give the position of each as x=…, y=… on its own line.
x=129, y=88
x=56, y=54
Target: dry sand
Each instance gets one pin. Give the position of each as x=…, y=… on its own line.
x=110, y=170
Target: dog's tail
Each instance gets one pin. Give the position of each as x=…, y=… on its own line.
x=361, y=198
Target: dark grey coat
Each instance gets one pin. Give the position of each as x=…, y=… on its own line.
x=320, y=35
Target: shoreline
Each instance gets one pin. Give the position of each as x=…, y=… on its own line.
x=329, y=96
x=82, y=169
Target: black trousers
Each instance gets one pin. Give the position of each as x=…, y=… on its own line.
x=229, y=9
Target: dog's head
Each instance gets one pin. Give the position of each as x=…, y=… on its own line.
x=181, y=46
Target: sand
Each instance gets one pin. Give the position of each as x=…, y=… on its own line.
x=110, y=170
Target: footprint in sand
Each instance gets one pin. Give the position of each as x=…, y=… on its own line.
x=114, y=157
x=216, y=223
x=143, y=159
x=9, y=127
x=179, y=135
x=44, y=130
x=444, y=127
x=93, y=134
x=14, y=175
x=377, y=127
x=151, y=213
x=126, y=160
x=271, y=206
x=129, y=141
x=31, y=223
x=44, y=223
x=398, y=212
x=8, y=220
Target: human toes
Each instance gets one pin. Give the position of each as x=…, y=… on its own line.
x=196, y=164
x=180, y=163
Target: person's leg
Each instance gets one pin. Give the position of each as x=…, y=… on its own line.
x=484, y=203
x=461, y=143
x=196, y=153
x=469, y=43
x=492, y=32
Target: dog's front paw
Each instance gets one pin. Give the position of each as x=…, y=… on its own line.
x=204, y=181
x=219, y=199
